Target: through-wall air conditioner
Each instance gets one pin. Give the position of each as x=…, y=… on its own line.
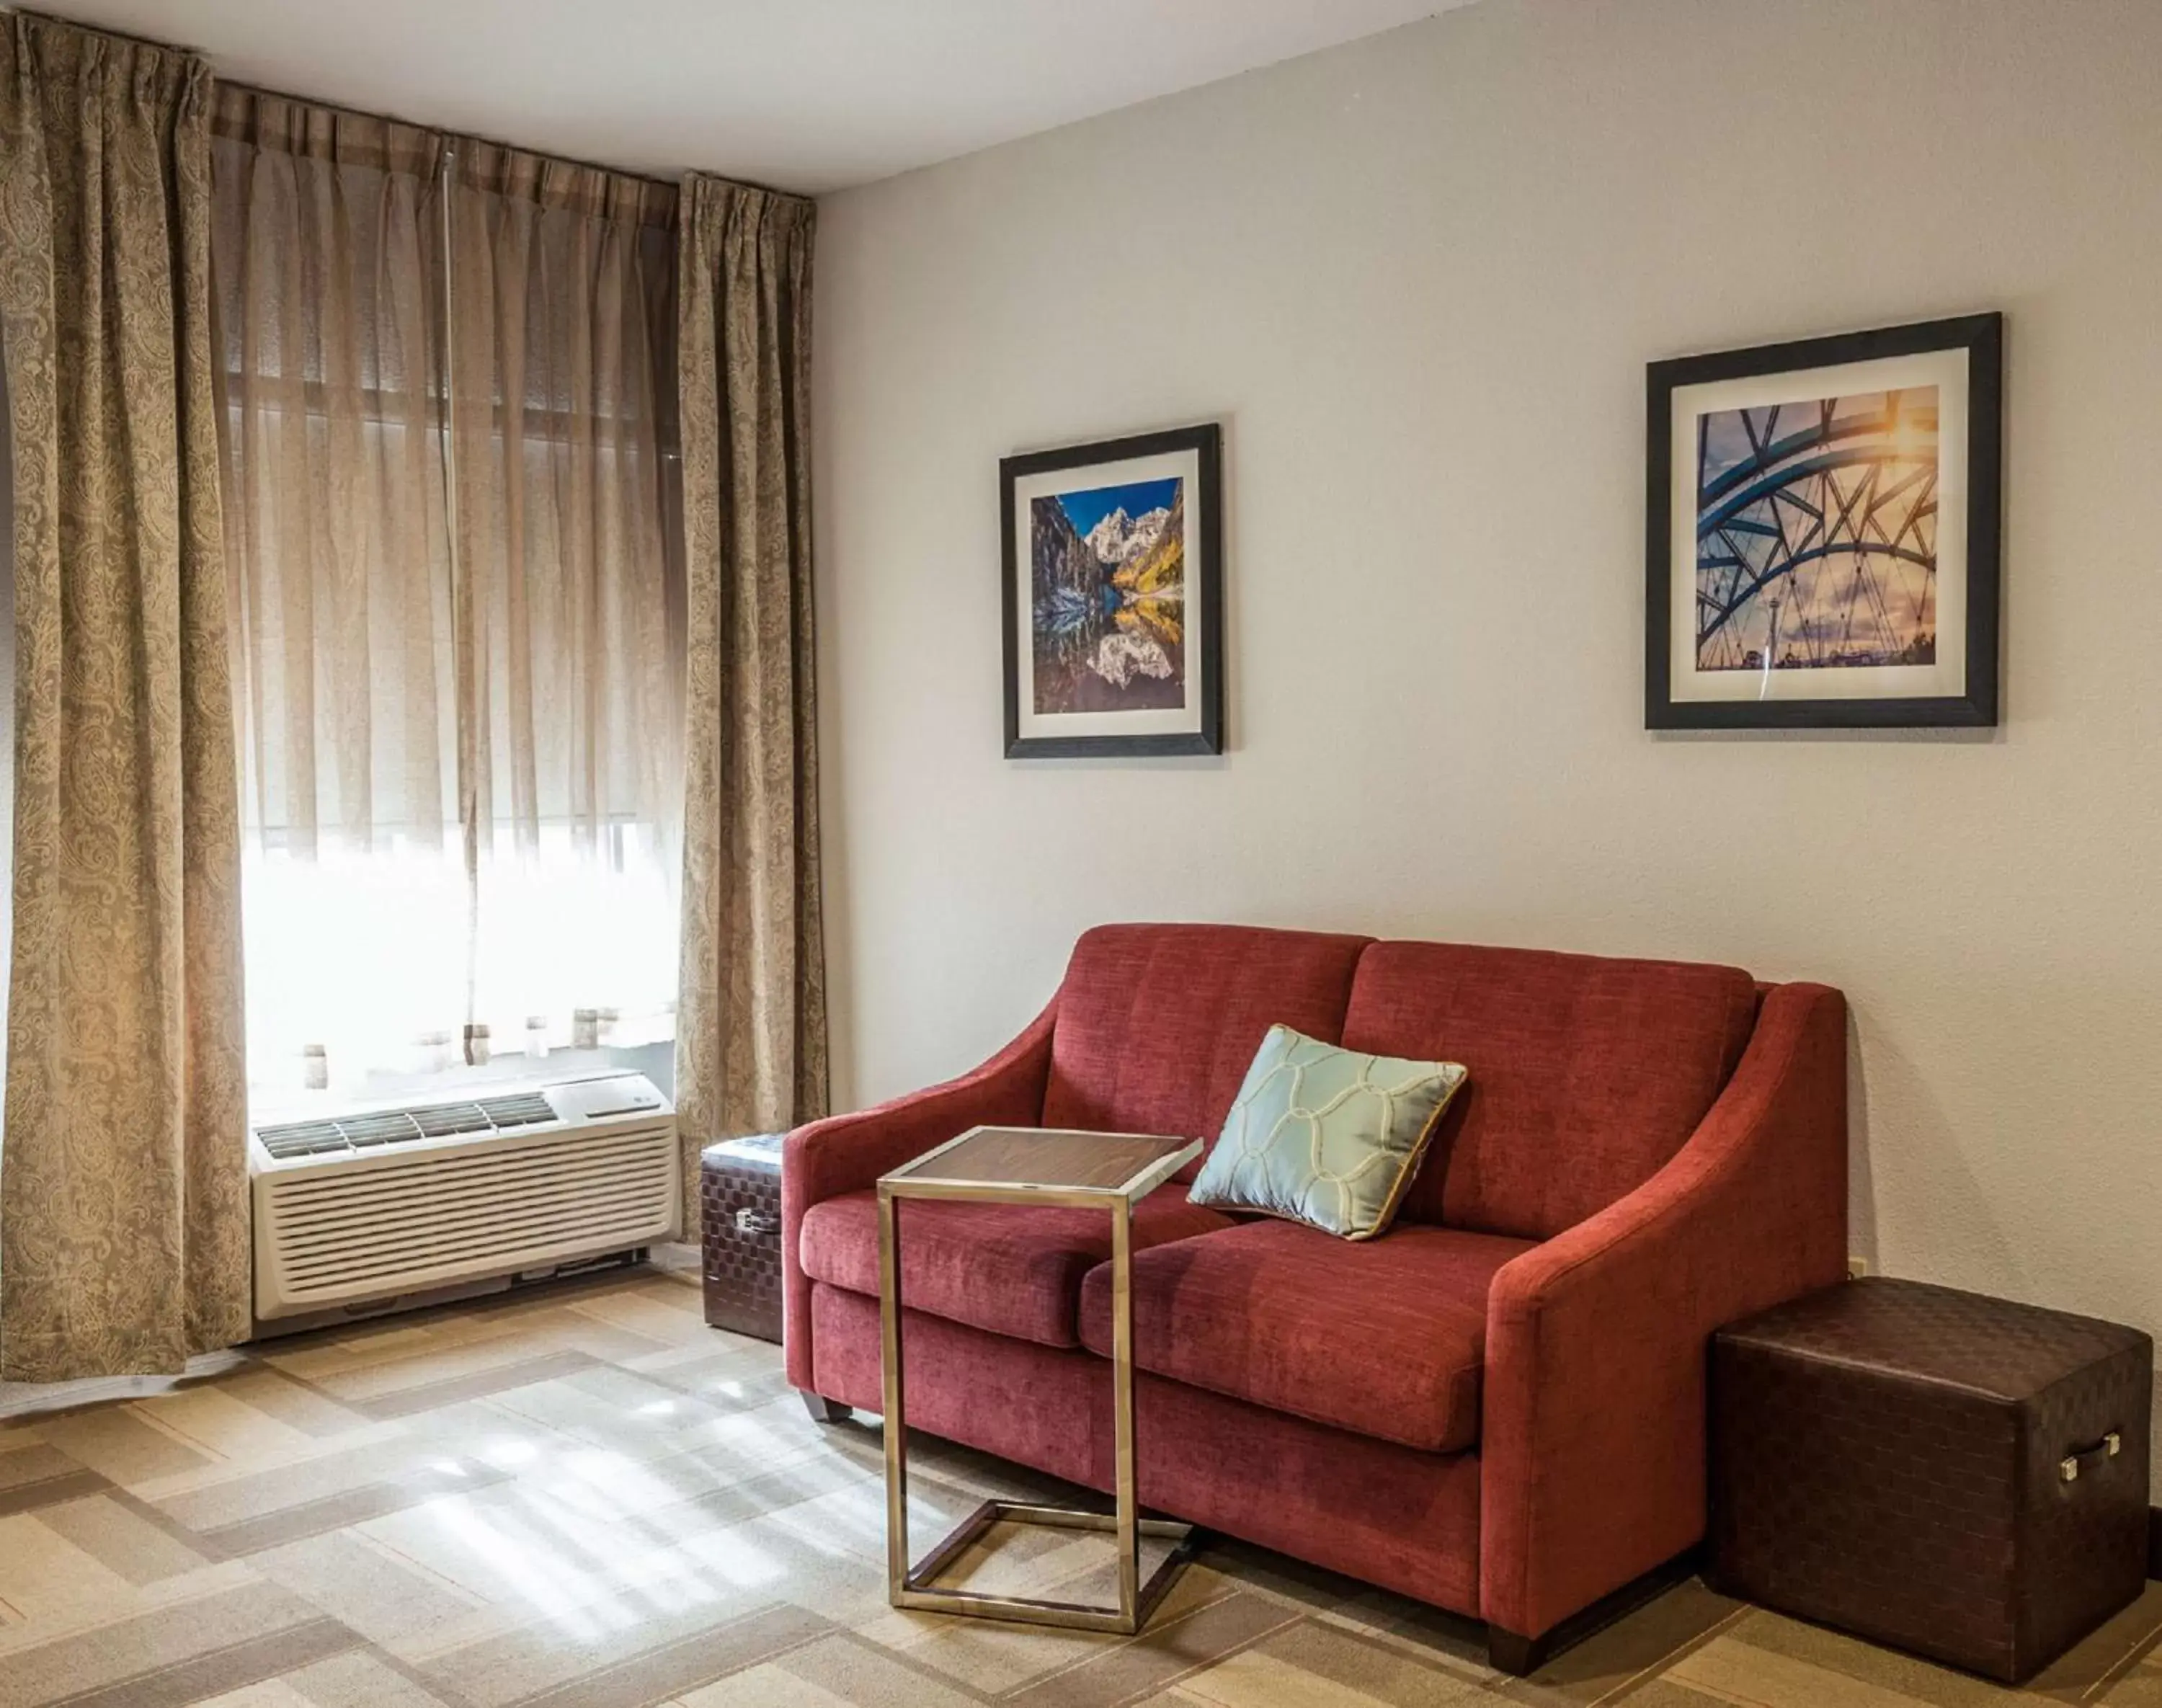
x=381, y=1205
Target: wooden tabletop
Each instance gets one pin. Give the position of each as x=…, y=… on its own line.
x=1050, y=1159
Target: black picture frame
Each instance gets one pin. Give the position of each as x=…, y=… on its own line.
x=1982, y=336
x=1205, y=637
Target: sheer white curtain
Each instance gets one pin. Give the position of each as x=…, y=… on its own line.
x=569, y=618
x=327, y=260
x=459, y=674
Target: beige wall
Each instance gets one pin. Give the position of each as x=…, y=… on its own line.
x=1418, y=278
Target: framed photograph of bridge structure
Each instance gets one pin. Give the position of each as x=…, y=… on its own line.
x=1821, y=531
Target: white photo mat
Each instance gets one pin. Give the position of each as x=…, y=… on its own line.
x=1183, y=720
x=1946, y=370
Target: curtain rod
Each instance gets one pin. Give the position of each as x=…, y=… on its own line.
x=436, y=130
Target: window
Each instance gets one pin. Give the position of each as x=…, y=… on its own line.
x=458, y=656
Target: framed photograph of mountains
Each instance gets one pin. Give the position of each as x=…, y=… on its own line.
x=1821, y=532
x=1112, y=590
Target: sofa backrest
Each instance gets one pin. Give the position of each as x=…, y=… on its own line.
x=1157, y=1024
x=1586, y=1074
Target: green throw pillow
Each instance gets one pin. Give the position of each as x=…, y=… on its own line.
x=1326, y=1136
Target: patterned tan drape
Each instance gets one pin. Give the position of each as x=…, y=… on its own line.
x=750, y=1040
x=123, y=1192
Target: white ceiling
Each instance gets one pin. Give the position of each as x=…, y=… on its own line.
x=806, y=94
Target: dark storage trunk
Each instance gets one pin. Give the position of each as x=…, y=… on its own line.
x=1956, y=1475
x=740, y=1199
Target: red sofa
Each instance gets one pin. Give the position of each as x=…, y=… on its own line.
x=1498, y=1406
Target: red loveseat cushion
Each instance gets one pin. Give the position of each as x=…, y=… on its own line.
x=1587, y=1074
x=1382, y=1337
x=1011, y=1269
x=1157, y=1024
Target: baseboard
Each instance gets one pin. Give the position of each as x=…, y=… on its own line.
x=2155, y=1542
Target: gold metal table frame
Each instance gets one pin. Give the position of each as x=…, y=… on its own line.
x=914, y=1588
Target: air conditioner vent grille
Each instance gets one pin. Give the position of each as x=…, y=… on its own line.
x=302, y=1138
x=517, y=1111
x=441, y=1120
x=402, y=1126
x=442, y=1215
x=365, y=1132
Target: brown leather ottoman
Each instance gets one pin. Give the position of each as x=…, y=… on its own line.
x=740, y=1205
x=1956, y=1475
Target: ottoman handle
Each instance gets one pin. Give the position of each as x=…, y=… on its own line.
x=2109, y=1447
x=758, y=1222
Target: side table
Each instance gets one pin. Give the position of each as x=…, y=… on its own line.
x=1110, y=1172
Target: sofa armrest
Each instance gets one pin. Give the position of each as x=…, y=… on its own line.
x=848, y=1153
x=1592, y=1440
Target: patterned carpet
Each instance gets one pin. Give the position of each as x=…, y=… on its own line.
x=584, y=1498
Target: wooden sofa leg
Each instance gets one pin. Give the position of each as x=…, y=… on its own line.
x=825, y=1411
x=1519, y=1656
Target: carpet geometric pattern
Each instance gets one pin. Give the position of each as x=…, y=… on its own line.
x=582, y=1497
